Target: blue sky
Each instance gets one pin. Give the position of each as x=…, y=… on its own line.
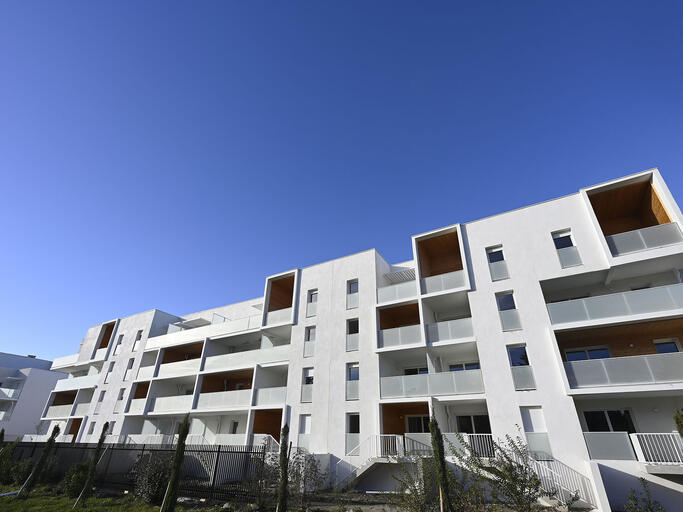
x=171, y=155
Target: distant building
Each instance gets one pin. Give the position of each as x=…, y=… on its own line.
x=25, y=385
x=560, y=322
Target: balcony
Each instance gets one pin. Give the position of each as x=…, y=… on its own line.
x=450, y=330
x=624, y=371
x=81, y=409
x=660, y=299
x=279, y=316
x=189, y=366
x=137, y=406
x=9, y=393
x=100, y=354
x=609, y=446
x=659, y=449
x=247, y=358
x=224, y=399
x=442, y=282
x=145, y=372
x=406, y=335
x=59, y=411
x=643, y=239
x=180, y=403
x=86, y=381
x=216, y=330
x=271, y=396
x=64, y=361
x=399, y=291
x=432, y=384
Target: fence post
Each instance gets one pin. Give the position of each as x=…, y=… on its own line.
x=215, y=470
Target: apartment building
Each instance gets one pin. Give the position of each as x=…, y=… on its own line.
x=25, y=385
x=559, y=322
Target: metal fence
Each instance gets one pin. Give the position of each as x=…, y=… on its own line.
x=208, y=471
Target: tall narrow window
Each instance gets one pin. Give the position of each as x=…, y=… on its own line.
x=309, y=338
x=138, y=339
x=312, y=303
x=567, y=252
x=119, y=342
x=129, y=369
x=497, y=266
x=118, y=406
x=352, y=294
x=522, y=374
x=352, y=432
x=304, y=431
x=507, y=310
x=352, y=329
x=307, y=385
x=109, y=371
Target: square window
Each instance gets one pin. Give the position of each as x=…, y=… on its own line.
x=518, y=356
x=506, y=301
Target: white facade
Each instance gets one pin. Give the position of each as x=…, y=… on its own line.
x=583, y=359
x=25, y=384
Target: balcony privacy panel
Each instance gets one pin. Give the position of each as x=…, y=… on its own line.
x=450, y=330
x=609, y=446
x=224, y=399
x=400, y=336
x=523, y=378
x=539, y=445
x=172, y=403
x=307, y=393
x=309, y=348
x=569, y=256
x=271, y=396
x=509, y=320
x=405, y=290
x=442, y=282
x=352, y=442
x=137, y=406
x=278, y=317
x=646, y=238
x=351, y=300
x=444, y=383
x=649, y=369
x=352, y=390
x=498, y=270
x=351, y=342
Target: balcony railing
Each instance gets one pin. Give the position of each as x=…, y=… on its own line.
x=86, y=381
x=4, y=415
x=225, y=399
x=630, y=370
x=171, y=403
x=279, y=316
x=63, y=361
x=352, y=390
x=309, y=348
x=59, y=411
x=655, y=449
x=205, y=331
x=41, y=438
x=609, y=446
x=230, y=439
x=351, y=300
x=81, y=409
x=441, y=282
x=271, y=396
x=509, y=320
x=137, y=406
x=569, y=256
x=635, y=302
x=351, y=342
x=444, y=383
x=406, y=335
x=307, y=392
x=303, y=441
x=450, y=330
x=498, y=270
x=9, y=393
x=311, y=309
x=118, y=406
x=643, y=239
x=100, y=354
x=179, y=368
x=404, y=290
x=145, y=372
x=523, y=378
x=247, y=357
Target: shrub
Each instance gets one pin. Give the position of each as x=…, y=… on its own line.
x=75, y=478
x=151, y=473
x=21, y=469
x=637, y=502
x=7, y=464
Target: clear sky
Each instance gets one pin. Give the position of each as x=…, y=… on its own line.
x=171, y=155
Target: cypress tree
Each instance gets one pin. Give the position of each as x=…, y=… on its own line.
x=168, y=505
x=678, y=420
x=87, y=487
x=38, y=468
x=440, y=463
x=284, y=467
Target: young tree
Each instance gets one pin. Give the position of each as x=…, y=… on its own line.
x=87, y=487
x=168, y=505
x=40, y=465
x=637, y=502
x=445, y=503
x=415, y=481
x=2, y=438
x=678, y=420
x=284, y=468
x=305, y=477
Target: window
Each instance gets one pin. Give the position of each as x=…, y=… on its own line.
x=308, y=376
x=119, y=342
x=532, y=419
x=352, y=286
x=497, y=266
x=352, y=334
x=129, y=369
x=582, y=354
x=476, y=424
x=415, y=371
x=234, y=425
x=518, y=356
x=667, y=346
x=352, y=371
x=138, y=337
x=506, y=301
x=111, y=369
x=457, y=367
x=353, y=423
x=122, y=392
x=309, y=334
x=609, y=421
x=495, y=254
x=91, y=429
x=563, y=239
x=101, y=396
x=417, y=424
x=312, y=303
x=111, y=427
x=352, y=326
x=304, y=423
